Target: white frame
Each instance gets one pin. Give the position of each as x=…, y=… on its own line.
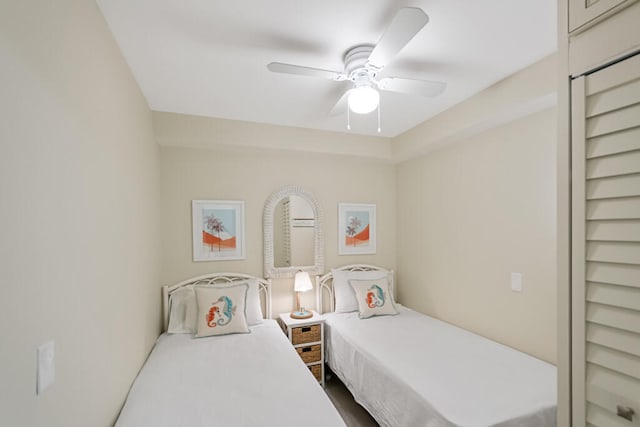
x=199, y=252
x=343, y=248
x=578, y=250
x=217, y=279
x=324, y=284
x=270, y=270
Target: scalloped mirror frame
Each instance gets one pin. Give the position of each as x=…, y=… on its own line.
x=270, y=270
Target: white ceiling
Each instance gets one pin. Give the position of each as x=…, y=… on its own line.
x=209, y=57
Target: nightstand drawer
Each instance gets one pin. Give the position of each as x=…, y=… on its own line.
x=304, y=334
x=312, y=353
x=316, y=370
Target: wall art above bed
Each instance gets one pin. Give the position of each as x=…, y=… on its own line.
x=218, y=230
x=356, y=228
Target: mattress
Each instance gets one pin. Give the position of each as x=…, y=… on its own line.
x=414, y=370
x=254, y=379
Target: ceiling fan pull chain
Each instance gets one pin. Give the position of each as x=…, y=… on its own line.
x=378, y=117
x=348, y=119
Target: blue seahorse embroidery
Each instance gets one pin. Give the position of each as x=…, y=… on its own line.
x=375, y=297
x=224, y=316
x=227, y=311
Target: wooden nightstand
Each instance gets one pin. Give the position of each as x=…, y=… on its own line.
x=307, y=337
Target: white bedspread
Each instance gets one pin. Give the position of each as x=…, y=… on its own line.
x=414, y=370
x=254, y=379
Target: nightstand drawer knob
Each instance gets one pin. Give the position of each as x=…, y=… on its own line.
x=306, y=349
x=306, y=328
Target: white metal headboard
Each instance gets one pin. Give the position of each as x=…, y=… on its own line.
x=264, y=290
x=324, y=284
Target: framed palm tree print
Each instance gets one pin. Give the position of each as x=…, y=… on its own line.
x=218, y=230
x=356, y=228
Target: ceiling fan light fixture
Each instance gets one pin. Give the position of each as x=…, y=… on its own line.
x=363, y=99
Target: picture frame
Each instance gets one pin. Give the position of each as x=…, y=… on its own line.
x=356, y=228
x=218, y=230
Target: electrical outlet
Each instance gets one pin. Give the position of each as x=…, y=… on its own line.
x=46, y=372
x=516, y=282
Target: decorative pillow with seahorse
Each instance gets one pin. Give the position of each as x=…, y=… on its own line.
x=374, y=297
x=221, y=310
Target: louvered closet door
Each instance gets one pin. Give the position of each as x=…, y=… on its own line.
x=606, y=246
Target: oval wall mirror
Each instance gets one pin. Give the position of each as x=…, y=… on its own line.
x=293, y=235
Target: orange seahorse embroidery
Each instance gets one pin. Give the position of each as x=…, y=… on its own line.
x=370, y=302
x=211, y=316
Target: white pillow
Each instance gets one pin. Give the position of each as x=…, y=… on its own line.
x=221, y=310
x=343, y=292
x=182, y=311
x=374, y=297
x=254, y=308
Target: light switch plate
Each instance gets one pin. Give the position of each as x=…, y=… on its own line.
x=516, y=282
x=46, y=372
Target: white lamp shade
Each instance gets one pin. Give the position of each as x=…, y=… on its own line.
x=363, y=99
x=302, y=282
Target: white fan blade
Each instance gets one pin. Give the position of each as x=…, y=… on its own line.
x=278, y=67
x=341, y=106
x=405, y=25
x=418, y=87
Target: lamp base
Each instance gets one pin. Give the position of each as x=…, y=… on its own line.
x=301, y=314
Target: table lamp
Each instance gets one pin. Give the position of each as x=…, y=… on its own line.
x=302, y=283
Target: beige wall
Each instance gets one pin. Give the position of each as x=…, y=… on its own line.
x=530, y=90
x=252, y=175
x=79, y=194
x=181, y=130
x=479, y=204
x=472, y=213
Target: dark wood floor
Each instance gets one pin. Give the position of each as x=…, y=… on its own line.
x=353, y=414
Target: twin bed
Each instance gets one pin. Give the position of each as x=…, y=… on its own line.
x=241, y=379
x=410, y=369
x=406, y=369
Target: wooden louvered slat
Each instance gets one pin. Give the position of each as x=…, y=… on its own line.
x=614, y=143
x=614, y=360
x=618, y=339
x=620, y=252
x=619, y=231
x=616, y=165
x=613, y=274
x=619, y=186
x=621, y=296
x=608, y=389
x=615, y=121
x=616, y=98
x=622, y=318
x=613, y=76
x=600, y=417
x=621, y=208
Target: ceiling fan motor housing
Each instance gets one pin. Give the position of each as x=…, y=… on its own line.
x=356, y=65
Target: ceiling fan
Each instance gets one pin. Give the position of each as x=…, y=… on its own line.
x=363, y=63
